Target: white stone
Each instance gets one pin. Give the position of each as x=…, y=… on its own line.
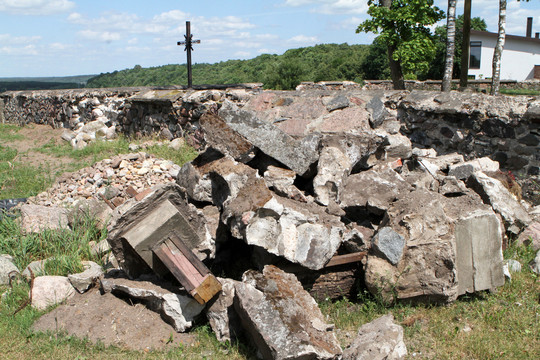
x=51, y=290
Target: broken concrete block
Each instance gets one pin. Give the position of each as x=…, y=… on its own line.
x=224, y=139
x=332, y=169
x=298, y=155
x=176, y=309
x=445, y=239
x=389, y=244
x=221, y=314
x=374, y=189
x=163, y=210
x=396, y=146
x=36, y=218
x=380, y=339
x=83, y=281
x=7, y=269
x=282, y=319
x=465, y=169
x=494, y=193
x=302, y=233
x=50, y=290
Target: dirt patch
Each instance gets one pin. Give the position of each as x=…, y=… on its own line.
x=35, y=136
x=112, y=322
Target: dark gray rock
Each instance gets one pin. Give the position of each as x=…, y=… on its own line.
x=336, y=102
x=389, y=244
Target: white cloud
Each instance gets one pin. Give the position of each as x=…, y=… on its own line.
x=105, y=36
x=25, y=50
x=35, y=7
x=8, y=39
x=242, y=53
x=303, y=39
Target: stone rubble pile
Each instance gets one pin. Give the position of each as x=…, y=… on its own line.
x=292, y=185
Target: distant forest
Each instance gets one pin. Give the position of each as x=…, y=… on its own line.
x=43, y=83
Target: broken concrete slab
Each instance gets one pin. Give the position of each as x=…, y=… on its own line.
x=374, y=189
x=83, y=281
x=224, y=139
x=221, y=314
x=51, y=290
x=302, y=233
x=282, y=319
x=36, y=218
x=332, y=170
x=298, y=155
x=177, y=309
x=381, y=339
x=163, y=210
x=442, y=237
x=465, y=169
x=494, y=193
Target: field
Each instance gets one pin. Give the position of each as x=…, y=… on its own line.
x=503, y=324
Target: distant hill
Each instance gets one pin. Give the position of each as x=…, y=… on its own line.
x=43, y=83
x=315, y=63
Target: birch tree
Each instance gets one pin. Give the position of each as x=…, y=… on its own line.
x=450, y=45
x=497, y=54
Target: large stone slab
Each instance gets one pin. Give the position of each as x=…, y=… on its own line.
x=381, y=339
x=298, y=155
x=332, y=170
x=177, y=309
x=452, y=246
x=494, y=193
x=149, y=220
x=221, y=314
x=282, y=319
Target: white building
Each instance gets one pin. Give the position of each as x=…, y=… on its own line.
x=520, y=58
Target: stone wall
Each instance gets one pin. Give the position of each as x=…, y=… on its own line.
x=507, y=129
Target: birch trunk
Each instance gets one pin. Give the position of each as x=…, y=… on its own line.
x=496, y=73
x=465, y=50
x=450, y=45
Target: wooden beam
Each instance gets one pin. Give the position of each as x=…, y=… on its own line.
x=346, y=259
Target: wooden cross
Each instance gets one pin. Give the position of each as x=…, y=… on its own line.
x=188, y=43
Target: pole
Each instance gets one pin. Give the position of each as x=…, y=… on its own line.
x=188, y=49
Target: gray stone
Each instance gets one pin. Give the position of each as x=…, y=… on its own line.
x=36, y=218
x=531, y=236
x=357, y=146
x=374, y=189
x=389, y=244
x=282, y=319
x=336, y=102
x=51, y=290
x=381, y=339
x=332, y=170
x=177, y=144
x=535, y=263
x=464, y=170
x=176, y=309
x=7, y=269
x=68, y=135
x=83, y=281
x=494, y=193
x=221, y=314
x=378, y=112
x=396, y=146
x=298, y=155
x=450, y=186
x=282, y=182
x=37, y=267
x=513, y=265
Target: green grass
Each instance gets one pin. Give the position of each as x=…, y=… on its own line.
x=9, y=132
x=519, y=92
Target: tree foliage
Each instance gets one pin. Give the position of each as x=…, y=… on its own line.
x=315, y=63
x=404, y=25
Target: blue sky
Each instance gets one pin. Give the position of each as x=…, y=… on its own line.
x=71, y=37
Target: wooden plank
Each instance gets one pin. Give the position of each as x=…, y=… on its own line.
x=131, y=191
x=193, y=259
x=346, y=259
x=183, y=264
x=167, y=259
x=207, y=290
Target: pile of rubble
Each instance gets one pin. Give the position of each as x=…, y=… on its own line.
x=285, y=216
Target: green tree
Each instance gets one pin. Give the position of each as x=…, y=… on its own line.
x=286, y=75
x=403, y=27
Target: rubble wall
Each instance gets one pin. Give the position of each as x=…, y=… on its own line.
x=507, y=129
